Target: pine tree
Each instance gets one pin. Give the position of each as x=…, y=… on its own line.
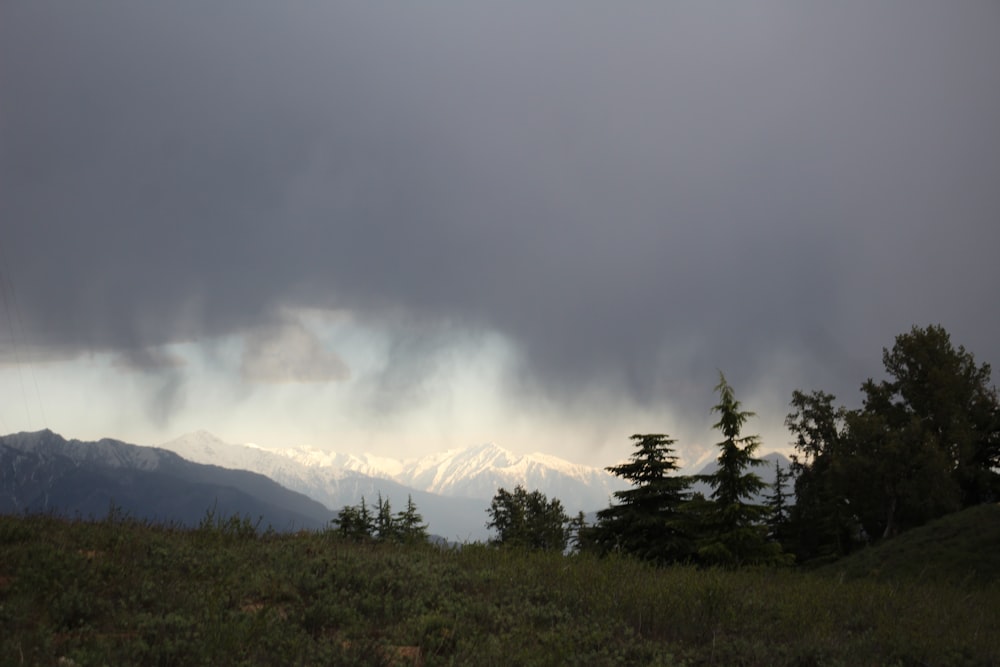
x=777, y=506
x=648, y=521
x=410, y=524
x=385, y=526
x=354, y=522
x=735, y=533
x=366, y=522
x=581, y=535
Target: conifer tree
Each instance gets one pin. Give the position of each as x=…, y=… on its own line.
x=354, y=522
x=777, y=506
x=648, y=522
x=736, y=534
x=410, y=525
x=581, y=535
x=385, y=525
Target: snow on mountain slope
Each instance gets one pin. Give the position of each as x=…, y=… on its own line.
x=325, y=480
x=366, y=464
x=203, y=447
x=474, y=472
x=478, y=472
x=322, y=477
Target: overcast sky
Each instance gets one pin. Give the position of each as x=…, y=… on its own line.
x=404, y=227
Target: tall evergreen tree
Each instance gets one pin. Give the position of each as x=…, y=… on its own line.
x=581, y=535
x=410, y=526
x=778, y=506
x=648, y=521
x=385, y=524
x=736, y=534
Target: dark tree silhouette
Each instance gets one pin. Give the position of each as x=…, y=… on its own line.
x=735, y=533
x=648, y=521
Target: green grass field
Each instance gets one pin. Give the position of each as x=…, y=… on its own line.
x=121, y=592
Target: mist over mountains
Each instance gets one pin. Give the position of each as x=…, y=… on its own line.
x=290, y=488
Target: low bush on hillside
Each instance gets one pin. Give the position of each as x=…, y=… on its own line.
x=125, y=592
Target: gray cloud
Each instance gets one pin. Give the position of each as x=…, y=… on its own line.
x=148, y=359
x=289, y=352
x=635, y=196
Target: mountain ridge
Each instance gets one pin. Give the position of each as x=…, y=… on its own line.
x=44, y=472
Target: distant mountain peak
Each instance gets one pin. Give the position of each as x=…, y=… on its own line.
x=476, y=471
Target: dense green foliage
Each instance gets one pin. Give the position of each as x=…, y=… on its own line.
x=126, y=593
x=528, y=520
x=647, y=522
x=357, y=522
x=659, y=520
x=925, y=443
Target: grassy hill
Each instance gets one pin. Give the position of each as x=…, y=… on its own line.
x=123, y=592
x=961, y=549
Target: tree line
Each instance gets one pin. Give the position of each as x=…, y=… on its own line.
x=926, y=442
x=361, y=522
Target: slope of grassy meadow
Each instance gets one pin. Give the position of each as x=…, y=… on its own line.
x=123, y=592
x=960, y=549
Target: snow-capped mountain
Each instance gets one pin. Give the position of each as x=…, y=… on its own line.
x=477, y=472
x=203, y=447
x=473, y=472
x=435, y=481
x=335, y=480
x=366, y=464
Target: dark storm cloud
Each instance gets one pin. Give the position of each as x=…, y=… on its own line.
x=637, y=195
